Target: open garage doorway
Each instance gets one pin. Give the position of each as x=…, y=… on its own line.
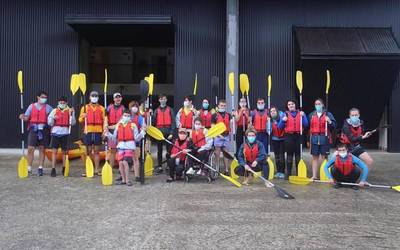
x=130, y=48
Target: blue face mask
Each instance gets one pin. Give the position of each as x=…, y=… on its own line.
x=318, y=108
x=205, y=105
x=251, y=139
x=354, y=120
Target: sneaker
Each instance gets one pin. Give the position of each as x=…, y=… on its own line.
x=29, y=170
x=170, y=180
x=355, y=187
x=119, y=179
x=137, y=179
x=190, y=171
x=120, y=183
x=53, y=172
x=282, y=176
x=199, y=172
x=158, y=170
x=277, y=175
x=40, y=172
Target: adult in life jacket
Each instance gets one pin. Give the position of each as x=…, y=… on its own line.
x=60, y=120
x=346, y=167
x=126, y=134
x=259, y=118
x=293, y=139
x=114, y=113
x=176, y=163
x=222, y=142
x=163, y=118
x=185, y=116
x=353, y=133
x=205, y=114
x=200, y=146
x=251, y=155
x=320, y=139
x=39, y=134
x=92, y=117
x=242, y=119
x=278, y=140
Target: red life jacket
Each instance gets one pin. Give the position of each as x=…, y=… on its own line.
x=186, y=120
x=62, y=119
x=293, y=123
x=224, y=120
x=164, y=118
x=135, y=120
x=125, y=133
x=205, y=118
x=243, y=119
x=344, y=167
x=277, y=131
x=260, y=120
x=94, y=115
x=250, y=153
x=179, y=148
x=317, y=125
x=38, y=116
x=356, y=132
x=114, y=114
x=198, y=138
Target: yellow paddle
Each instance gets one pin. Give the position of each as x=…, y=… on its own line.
x=301, y=167
x=231, y=85
x=195, y=85
x=106, y=171
x=151, y=83
x=23, y=162
x=322, y=175
x=245, y=87
x=158, y=135
x=269, y=161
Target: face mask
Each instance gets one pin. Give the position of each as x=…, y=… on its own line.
x=242, y=104
x=318, y=108
x=221, y=110
x=205, y=105
x=354, y=120
x=342, y=154
x=274, y=116
x=260, y=106
x=42, y=100
x=134, y=109
x=197, y=126
x=94, y=99
x=186, y=103
x=62, y=106
x=163, y=103
x=251, y=139
x=125, y=119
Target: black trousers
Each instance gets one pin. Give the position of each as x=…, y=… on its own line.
x=240, y=170
x=279, y=152
x=292, y=148
x=202, y=156
x=160, y=145
x=239, y=138
x=351, y=177
x=174, y=169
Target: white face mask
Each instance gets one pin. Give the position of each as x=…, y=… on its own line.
x=242, y=104
x=342, y=154
x=197, y=126
x=186, y=103
x=94, y=99
x=125, y=119
x=134, y=109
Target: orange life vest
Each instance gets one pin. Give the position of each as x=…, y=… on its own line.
x=344, y=167
x=317, y=125
x=293, y=123
x=125, y=133
x=356, y=132
x=135, y=120
x=114, y=114
x=179, y=148
x=205, y=118
x=250, y=153
x=186, y=120
x=225, y=120
x=62, y=118
x=243, y=119
x=198, y=138
x=38, y=116
x=260, y=120
x=163, y=119
x=276, y=131
x=94, y=115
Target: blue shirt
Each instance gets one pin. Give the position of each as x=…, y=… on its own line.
x=356, y=161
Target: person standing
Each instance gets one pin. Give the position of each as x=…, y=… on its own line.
x=259, y=118
x=242, y=118
x=278, y=140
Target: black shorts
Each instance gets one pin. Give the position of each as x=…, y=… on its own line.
x=39, y=138
x=59, y=142
x=92, y=139
x=317, y=150
x=357, y=150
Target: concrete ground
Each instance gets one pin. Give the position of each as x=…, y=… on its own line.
x=77, y=213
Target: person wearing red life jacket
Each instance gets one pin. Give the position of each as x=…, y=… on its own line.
x=346, y=167
x=138, y=119
x=278, y=140
x=176, y=163
x=222, y=142
x=163, y=118
x=114, y=113
x=251, y=155
x=242, y=119
x=60, y=120
x=320, y=140
x=185, y=116
x=205, y=113
x=260, y=118
x=39, y=134
x=293, y=139
x=126, y=134
x=353, y=133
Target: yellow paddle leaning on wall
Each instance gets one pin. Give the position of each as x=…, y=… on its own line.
x=23, y=162
x=301, y=167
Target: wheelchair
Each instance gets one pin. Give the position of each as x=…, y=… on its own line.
x=200, y=171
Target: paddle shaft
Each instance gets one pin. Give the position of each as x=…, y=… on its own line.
x=301, y=126
x=261, y=177
x=270, y=126
x=233, y=122
x=22, y=125
x=106, y=141
x=355, y=184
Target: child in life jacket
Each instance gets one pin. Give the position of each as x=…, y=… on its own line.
x=179, y=149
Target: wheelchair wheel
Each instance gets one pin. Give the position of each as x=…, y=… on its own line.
x=213, y=162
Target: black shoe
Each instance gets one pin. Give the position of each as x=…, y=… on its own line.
x=63, y=170
x=53, y=172
x=158, y=170
x=355, y=187
x=170, y=180
x=121, y=183
x=137, y=179
x=119, y=179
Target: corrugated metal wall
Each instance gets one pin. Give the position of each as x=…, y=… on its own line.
x=35, y=38
x=266, y=41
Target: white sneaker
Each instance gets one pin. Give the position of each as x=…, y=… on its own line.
x=190, y=171
x=199, y=172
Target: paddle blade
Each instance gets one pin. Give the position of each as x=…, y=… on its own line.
x=234, y=165
x=89, y=167
x=20, y=83
x=155, y=133
x=299, y=180
x=302, y=169
x=82, y=82
x=244, y=84
x=144, y=90
x=66, y=169
x=322, y=175
x=106, y=175
x=397, y=188
x=231, y=180
x=269, y=84
x=299, y=80
x=283, y=193
x=22, y=167
x=231, y=82
x=151, y=83
x=271, y=168
x=148, y=165
x=74, y=84
x=328, y=81
x=216, y=130
x=105, y=80
x=195, y=85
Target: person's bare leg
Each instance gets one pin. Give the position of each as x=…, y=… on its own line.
x=126, y=171
x=96, y=158
x=53, y=157
x=314, y=165
x=217, y=153
x=112, y=157
x=136, y=163
x=41, y=155
x=366, y=158
x=31, y=151
x=122, y=171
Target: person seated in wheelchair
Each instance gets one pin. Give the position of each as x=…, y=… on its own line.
x=251, y=155
x=200, y=146
x=176, y=163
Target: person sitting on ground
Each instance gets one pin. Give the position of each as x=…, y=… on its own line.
x=178, y=156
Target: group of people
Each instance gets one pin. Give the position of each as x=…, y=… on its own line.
x=249, y=132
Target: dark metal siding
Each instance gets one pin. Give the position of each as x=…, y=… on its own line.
x=266, y=40
x=35, y=38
